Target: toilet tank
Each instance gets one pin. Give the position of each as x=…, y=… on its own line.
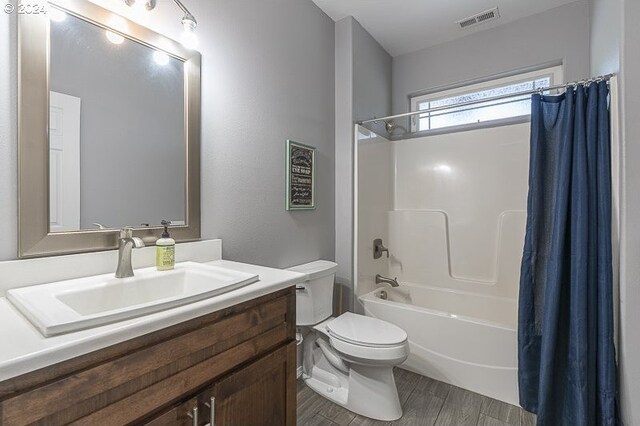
x=314, y=297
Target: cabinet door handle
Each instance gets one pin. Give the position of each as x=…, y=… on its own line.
x=194, y=416
x=212, y=410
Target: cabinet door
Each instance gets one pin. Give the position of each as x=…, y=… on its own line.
x=181, y=415
x=261, y=394
x=185, y=414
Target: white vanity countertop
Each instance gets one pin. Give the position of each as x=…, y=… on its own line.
x=24, y=349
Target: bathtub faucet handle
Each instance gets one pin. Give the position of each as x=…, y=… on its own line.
x=378, y=249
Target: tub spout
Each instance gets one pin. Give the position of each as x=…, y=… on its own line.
x=393, y=282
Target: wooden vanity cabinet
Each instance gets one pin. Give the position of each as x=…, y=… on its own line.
x=258, y=394
x=242, y=358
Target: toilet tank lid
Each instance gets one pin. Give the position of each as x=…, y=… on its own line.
x=317, y=269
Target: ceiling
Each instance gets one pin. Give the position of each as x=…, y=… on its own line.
x=403, y=26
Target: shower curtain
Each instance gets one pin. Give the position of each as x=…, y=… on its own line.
x=566, y=359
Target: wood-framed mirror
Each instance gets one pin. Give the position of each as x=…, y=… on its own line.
x=108, y=131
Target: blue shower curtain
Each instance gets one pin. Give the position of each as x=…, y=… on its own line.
x=566, y=356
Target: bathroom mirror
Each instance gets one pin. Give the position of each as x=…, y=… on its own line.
x=109, y=127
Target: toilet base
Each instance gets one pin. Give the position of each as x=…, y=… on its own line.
x=369, y=391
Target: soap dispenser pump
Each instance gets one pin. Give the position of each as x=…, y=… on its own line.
x=165, y=249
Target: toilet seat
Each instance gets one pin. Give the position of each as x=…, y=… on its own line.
x=369, y=355
x=367, y=340
x=366, y=331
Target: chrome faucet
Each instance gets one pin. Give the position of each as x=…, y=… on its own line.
x=393, y=282
x=126, y=243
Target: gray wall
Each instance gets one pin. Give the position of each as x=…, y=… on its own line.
x=132, y=155
x=363, y=89
x=344, y=155
x=267, y=75
x=605, y=37
x=371, y=76
x=560, y=34
x=268, y=71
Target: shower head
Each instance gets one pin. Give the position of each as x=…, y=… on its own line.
x=389, y=126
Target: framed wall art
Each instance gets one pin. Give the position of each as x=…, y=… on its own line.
x=301, y=172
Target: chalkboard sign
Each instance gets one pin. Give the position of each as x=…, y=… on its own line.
x=300, y=176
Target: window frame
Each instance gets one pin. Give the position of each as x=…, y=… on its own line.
x=554, y=73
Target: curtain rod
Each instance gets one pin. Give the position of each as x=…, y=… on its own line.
x=539, y=90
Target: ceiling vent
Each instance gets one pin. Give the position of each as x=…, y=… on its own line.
x=480, y=18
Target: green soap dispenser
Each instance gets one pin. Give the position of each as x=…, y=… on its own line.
x=165, y=249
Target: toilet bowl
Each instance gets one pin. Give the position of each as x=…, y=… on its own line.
x=349, y=359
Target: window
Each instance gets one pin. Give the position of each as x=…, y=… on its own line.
x=517, y=106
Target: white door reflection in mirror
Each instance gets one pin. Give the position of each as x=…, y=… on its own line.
x=64, y=162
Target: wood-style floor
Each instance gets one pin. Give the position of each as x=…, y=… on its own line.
x=425, y=402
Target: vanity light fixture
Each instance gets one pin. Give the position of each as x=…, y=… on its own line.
x=148, y=4
x=188, y=38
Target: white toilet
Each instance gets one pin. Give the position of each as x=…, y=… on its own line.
x=349, y=359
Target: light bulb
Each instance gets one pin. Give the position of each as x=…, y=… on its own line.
x=189, y=39
x=160, y=57
x=57, y=15
x=117, y=23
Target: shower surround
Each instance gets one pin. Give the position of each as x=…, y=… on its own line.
x=451, y=208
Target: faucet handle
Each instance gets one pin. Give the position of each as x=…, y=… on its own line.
x=379, y=248
x=126, y=232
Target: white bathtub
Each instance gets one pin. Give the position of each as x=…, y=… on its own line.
x=464, y=339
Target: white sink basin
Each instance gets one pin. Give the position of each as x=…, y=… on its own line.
x=66, y=306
